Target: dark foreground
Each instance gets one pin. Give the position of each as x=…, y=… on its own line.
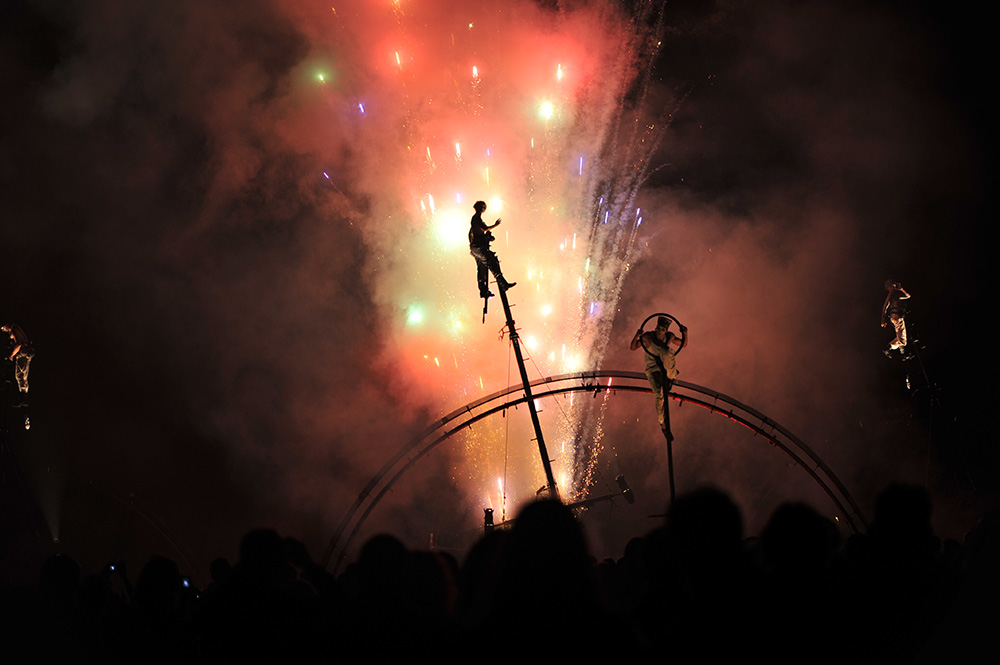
x=693, y=590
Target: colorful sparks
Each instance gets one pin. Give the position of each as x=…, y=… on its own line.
x=568, y=224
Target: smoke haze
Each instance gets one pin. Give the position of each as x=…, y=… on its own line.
x=237, y=238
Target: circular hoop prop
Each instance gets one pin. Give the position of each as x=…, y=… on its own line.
x=680, y=327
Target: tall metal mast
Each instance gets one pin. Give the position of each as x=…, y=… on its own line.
x=526, y=384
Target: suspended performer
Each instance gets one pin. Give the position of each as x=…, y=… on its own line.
x=661, y=369
x=480, y=237
x=893, y=312
x=21, y=353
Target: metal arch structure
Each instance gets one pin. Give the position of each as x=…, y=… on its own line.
x=587, y=382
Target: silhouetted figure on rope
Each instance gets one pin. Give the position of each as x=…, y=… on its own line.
x=893, y=312
x=661, y=370
x=486, y=260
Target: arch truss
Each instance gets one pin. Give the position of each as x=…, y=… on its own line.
x=588, y=382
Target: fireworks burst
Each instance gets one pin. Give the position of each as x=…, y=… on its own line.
x=524, y=108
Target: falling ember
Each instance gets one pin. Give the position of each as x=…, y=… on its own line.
x=475, y=72
x=559, y=73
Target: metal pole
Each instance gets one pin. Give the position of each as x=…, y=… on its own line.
x=667, y=434
x=515, y=340
x=670, y=463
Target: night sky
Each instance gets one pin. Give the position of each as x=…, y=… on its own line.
x=217, y=263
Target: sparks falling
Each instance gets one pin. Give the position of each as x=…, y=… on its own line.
x=519, y=136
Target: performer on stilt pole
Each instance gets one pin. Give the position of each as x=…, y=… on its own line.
x=661, y=370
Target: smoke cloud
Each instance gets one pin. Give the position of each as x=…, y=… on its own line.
x=238, y=240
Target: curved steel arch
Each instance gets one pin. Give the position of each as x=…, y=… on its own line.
x=682, y=391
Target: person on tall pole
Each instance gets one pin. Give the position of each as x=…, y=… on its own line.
x=893, y=312
x=480, y=237
x=661, y=368
x=486, y=262
x=20, y=354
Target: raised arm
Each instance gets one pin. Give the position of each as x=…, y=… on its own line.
x=681, y=341
x=635, y=340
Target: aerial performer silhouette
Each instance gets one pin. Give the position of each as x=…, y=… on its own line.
x=486, y=260
x=893, y=312
x=661, y=368
x=20, y=353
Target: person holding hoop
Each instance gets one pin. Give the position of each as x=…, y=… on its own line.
x=661, y=368
x=893, y=312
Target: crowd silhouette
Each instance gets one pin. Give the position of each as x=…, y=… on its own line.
x=695, y=589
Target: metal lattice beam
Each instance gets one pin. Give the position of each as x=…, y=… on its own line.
x=590, y=382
